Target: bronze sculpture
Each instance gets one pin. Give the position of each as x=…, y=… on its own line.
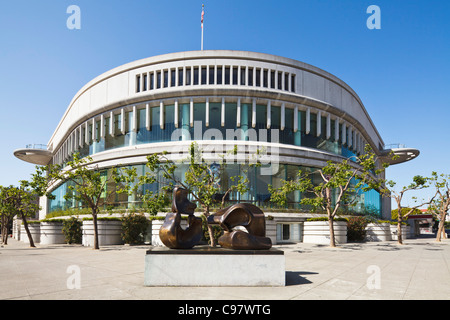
x=171, y=232
x=244, y=225
x=247, y=216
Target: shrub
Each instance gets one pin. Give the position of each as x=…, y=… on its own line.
x=356, y=228
x=72, y=230
x=134, y=228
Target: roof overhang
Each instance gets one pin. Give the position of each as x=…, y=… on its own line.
x=36, y=156
x=399, y=155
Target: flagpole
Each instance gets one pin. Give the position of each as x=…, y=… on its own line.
x=203, y=13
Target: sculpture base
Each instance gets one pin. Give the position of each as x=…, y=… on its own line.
x=206, y=266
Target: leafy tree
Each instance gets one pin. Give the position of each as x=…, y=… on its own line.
x=88, y=184
x=418, y=183
x=18, y=201
x=339, y=184
x=440, y=205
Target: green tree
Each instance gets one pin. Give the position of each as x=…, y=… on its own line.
x=88, y=184
x=18, y=201
x=339, y=185
x=440, y=204
x=418, y=183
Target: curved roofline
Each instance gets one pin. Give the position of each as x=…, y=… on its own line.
x=235, y=54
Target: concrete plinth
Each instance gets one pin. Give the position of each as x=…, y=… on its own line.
x=205, y=266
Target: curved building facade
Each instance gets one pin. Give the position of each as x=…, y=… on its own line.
x=303, y=115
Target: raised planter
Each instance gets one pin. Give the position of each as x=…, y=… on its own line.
x=319, y=232
x=51, y=233
x=271, y=230
x=35, y=230
x=109, y=232
x=378, y=232
x=405, y=232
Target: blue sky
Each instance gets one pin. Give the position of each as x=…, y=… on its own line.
x=401, y=72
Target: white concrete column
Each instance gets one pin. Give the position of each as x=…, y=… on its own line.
x=222, y=113
x=344, y=133
x=122, y=121
x=238, y=111
x=253, y=113
x=86, y=132
x=319, y=123
x=111, y=124
x=328, y=132
x=94, y=131
x=207, y=112
x=336, y=129
x=80, y=136
x=102, y=126
x=269, y=114
x=283, y=119
x=350, y=136
x=161, y=115
x=308, y=121
x=176, y=77
x=191, y=112
x=295, y=118
x=175, y=118
x=134, y=127
x=147, y=117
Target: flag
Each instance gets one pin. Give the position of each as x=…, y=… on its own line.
x=203, y=14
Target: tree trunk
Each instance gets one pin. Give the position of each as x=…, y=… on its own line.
x=94, y=221
x=25, y=224
x=210, y=228
x=331, y=224
x=399, y=223
x=441, y=230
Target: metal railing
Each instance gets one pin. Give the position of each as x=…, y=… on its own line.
x=36, y=146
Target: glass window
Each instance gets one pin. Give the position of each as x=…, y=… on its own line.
x=211, y=74
x=196, y=75
x=293, y=83
x=243, y=76
x=227, y=75
x=258, y=78
x=286, y=81
x=180, y=77
x=203, y=75
x=188, y=76
x=138, y=83
x=219, y=75
x=166, y=78
x=145, y=82
x=235, y=75
x=172, y=77
x=158, y=79
x=272, y=79
x=265, y=79
x=152, y=80
x=280, y=80
x=250, y=77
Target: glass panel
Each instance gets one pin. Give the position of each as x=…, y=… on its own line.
x=180, y=77
x=227, y=75
x=243, y=76
x=203, y=75
x=196, y=75
x=211, y=74
x=219, y=75
x=235, y=75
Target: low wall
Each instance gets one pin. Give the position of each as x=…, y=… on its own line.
x=319, y=232
x=109, y=232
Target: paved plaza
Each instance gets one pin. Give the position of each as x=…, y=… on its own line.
x=376, y=270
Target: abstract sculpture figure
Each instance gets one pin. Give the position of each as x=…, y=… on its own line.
x=171, y=233
x=245, y=215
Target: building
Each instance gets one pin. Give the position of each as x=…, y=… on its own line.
x=302, y=114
